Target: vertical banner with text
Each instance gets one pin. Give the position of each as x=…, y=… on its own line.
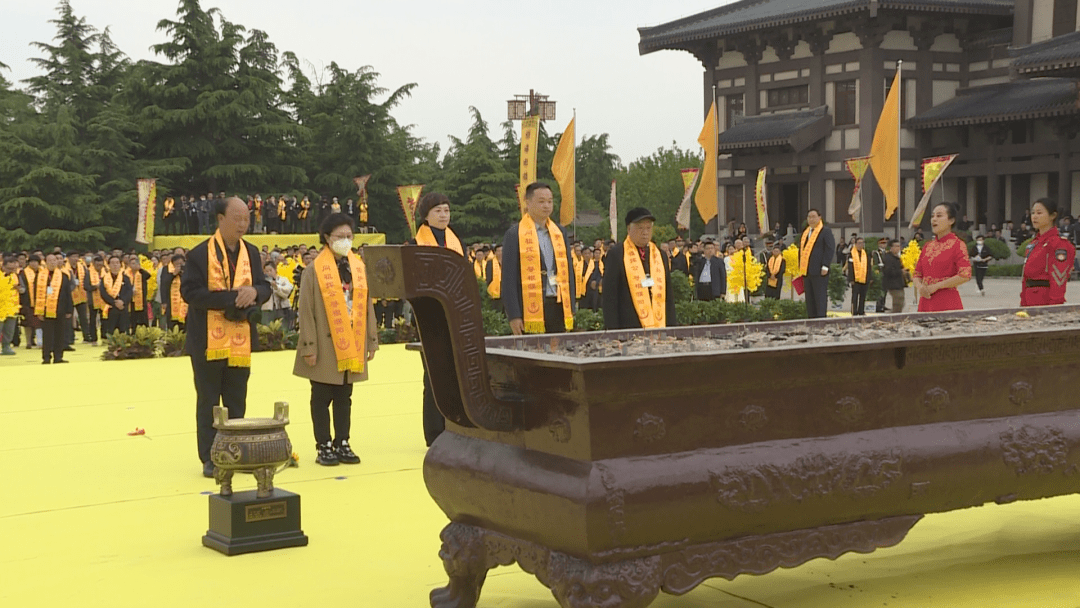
x=689, y=180
x=613, y=214
x=410, y=198
x=362, y=197
x=144, y=229
x=530, y=134
x=761, y=201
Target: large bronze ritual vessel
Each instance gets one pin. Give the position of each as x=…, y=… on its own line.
x=250, y=445
x=614, y=478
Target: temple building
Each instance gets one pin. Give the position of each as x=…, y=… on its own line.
x=799, y=86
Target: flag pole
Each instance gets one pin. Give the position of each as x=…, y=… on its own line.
x=716, y=149
x=575, y=174
x=899, y=146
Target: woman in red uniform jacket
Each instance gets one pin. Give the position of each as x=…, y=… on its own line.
x=1049, y=259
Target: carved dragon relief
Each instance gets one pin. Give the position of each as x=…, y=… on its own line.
x=753, y=489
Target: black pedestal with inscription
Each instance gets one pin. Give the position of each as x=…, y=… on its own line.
x=243, y=523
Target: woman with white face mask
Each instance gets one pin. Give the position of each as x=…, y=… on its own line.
x=334, y=355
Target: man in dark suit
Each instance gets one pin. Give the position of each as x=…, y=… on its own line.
x=54, y=309
x=879, y=264
x=709, y=274
x=623, y=277
x=218, y=379
x=816, y=249
x=550, y=284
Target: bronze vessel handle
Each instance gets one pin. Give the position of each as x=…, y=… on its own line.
x=445, y=297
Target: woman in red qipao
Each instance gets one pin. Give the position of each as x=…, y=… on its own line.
x=943, y=265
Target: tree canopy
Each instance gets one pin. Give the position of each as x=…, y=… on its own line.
x=221, y=108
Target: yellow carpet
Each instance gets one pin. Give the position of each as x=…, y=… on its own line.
x=92, y=517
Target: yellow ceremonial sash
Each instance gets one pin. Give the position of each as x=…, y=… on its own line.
x=478, y=267
x=650, y=313
x=136, y=289
x=78, y=294
x=48, y=293
x=177, y=304
x=495, y=286
x=31, y=284
x=227, y=339
x=335, y=207
x=348, y=329
x=858, y=264
x=95, y=282
x=579, y=276
x=533, y=282
x=806, y=247
x=424, y=236
x=774, y=269
x=168, y=209
x=304, y=206
x=113, y=285
x=281, y=209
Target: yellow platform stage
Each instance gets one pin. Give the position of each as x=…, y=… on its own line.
x=92, y=517
x=188, y=241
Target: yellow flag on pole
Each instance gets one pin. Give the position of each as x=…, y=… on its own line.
x=932, y=170
x=530, y=134
x=410, y=198
x=705, y=199
x=562, y=167
x=689, y=180
x=885, y=151
x=857, y=168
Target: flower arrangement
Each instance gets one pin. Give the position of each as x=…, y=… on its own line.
x=9, y=301
x=791, y=261
x=746, y=271
x=909, y=257
x=151, y=283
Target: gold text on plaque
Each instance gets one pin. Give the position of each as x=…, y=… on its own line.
x=263, y=512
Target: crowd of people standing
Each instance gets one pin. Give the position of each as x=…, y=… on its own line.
x=275, y=214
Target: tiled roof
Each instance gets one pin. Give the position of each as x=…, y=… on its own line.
x=800, y=130
x=1017, y=100
x=747, y=15
x=1062, y=52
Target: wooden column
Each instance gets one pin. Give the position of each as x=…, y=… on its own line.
x=819, y=42
x=1067, y=131
x=871, y=101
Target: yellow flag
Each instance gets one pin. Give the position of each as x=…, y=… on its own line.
x=530, y=134
x=562, y=167
x=885, y=151
x=705, y=200
x=410, y=198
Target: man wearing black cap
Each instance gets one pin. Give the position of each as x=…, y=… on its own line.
x=637, y=282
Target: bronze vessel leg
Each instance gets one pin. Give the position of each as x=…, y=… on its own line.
x=224, y=478
x=264, y=477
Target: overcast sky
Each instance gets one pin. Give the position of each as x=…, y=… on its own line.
x=460, y=53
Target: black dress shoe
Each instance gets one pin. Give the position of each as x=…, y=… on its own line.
x=70, y=349
x=207, y=469
x=62, y=361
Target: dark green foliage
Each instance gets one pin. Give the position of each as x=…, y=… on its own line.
x=1005, y=270
x=276, y=336
x=837, y=284
x=719, y=311
x=998, y=249
x=495, y=323
x=680, y=286
x=588, y=320
x=655, y=182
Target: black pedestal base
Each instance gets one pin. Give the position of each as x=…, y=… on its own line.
x=242, y=523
